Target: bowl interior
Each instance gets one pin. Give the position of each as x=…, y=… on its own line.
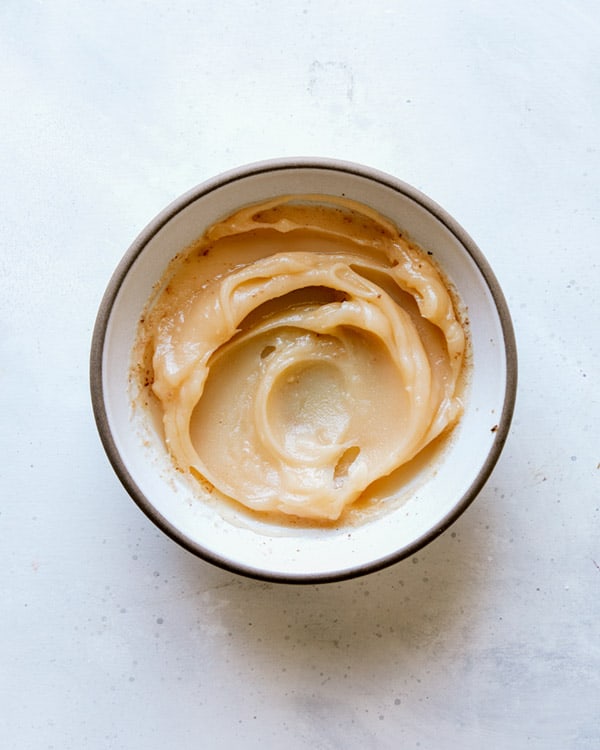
x=279, y=552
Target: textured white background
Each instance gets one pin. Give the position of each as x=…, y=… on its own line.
x=111, y=636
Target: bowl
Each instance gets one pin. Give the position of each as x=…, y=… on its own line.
x=304, y=553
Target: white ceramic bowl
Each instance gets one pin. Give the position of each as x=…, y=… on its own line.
x=262, y=550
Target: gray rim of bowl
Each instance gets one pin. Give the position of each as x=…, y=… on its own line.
x=114, y=285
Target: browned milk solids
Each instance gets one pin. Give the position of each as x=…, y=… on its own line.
x=300, y=350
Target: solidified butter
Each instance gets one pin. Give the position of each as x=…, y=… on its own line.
x=301, y=350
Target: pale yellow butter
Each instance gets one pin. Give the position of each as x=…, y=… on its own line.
x=301, y=350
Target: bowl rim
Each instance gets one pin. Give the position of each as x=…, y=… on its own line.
x=96, y=373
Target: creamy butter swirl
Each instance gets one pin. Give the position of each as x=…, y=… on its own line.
x=301, y=350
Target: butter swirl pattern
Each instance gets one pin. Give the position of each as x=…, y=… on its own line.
x=301, y=350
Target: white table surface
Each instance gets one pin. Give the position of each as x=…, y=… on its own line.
x=111, y=636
